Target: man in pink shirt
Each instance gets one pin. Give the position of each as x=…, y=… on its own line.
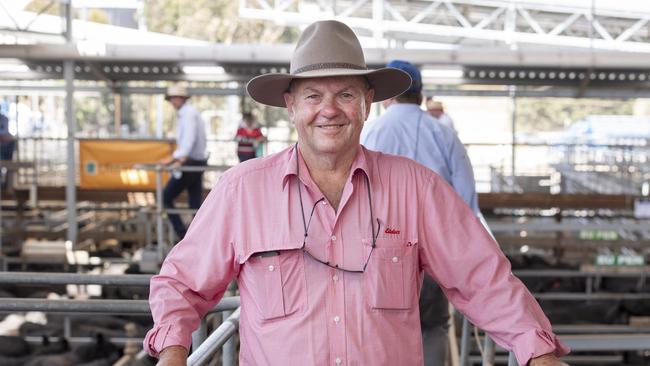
x=331, y=270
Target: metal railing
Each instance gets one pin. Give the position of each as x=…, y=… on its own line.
x=129, y=307
x=216, y=340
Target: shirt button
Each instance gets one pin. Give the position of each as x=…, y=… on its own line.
x=335, y=278
x=394, y=259
x=337, y=319
x=338, y=361
x=324, y=203
x=333, y=238
x=271, y=268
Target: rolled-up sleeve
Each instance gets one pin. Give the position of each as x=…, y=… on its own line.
x=476, y=276
x=195, y=274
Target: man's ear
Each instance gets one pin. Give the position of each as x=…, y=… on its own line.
x=288, y=100
x=370, y=94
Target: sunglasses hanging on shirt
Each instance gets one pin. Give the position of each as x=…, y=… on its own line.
x=306, y=224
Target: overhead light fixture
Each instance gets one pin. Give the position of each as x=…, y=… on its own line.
x=13, y=67
x=203, y=70
x=442, y=73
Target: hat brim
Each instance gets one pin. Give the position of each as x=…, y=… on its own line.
x=169, y=96
x=269, y=89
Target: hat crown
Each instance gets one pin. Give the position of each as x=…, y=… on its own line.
x=327, y=44
x=176, y=91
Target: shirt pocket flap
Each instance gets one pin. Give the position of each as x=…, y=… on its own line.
x=266, y=249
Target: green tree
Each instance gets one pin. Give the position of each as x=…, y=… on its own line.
x=552, y=114
x=212, y=20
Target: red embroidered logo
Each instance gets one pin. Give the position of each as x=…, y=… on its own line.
x=391, y=231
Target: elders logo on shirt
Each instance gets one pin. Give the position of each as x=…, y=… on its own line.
x=391, y=231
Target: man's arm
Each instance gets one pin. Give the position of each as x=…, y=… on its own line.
x=462, y=174
x=195, y=274
x=472, y=271
x=173, y=356
x=548, y=359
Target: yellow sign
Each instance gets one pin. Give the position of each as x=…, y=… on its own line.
x=109, y=164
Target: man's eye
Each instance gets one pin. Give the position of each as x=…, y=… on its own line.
x=312, y=96
x=347, y=95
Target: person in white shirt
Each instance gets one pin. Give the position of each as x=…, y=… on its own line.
x=190, y=151
x=436, y=110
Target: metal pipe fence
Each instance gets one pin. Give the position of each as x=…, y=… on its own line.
x=215, y=341
x=41, y=278
x=133, y=307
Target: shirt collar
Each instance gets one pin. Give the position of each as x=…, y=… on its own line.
x=183, y=108
x=403, y=107
x=360, y=163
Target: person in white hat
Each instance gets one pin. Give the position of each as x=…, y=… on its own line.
x=190, y=151
x=328, y=240
x=437, y=110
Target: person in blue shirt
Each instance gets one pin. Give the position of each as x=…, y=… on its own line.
x=190, y=151
x=406, y=129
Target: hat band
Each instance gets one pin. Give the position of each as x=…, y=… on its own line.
x=328, y=65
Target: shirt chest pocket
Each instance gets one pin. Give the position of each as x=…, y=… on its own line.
x=276, y=283
x=390, y=280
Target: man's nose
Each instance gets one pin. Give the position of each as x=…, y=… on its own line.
x=330, y=107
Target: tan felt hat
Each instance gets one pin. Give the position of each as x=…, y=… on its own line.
x=327, y=48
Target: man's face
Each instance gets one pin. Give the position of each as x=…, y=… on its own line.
x=436, y=112
x=329, y=113
x=177, y=102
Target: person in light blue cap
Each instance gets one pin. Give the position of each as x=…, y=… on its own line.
x=406, y=129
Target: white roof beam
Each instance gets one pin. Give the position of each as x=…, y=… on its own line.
x=459, y=17
x=349, y=11
x=280, y=54
x=426, y=12
x=633, y=29
x=601, y=30
x=529, y=19
x=565, y=24
x=396, y=14
x=491, y=18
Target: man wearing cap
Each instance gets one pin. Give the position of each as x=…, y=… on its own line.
x=437, y=111
x=330, y=273
x=407, y=130
x=190, y=151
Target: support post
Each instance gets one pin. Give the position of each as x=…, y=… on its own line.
x=71, y=179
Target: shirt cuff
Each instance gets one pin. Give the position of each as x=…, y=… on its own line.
x=162, y=336
x=177, y=154
x=536, y=343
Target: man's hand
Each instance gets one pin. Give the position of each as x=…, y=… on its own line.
x=166, y=161
x=173, y=356
x=548, y=359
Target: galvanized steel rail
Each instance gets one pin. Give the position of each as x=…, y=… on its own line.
x=134, y=307
x=216, y=340
x=42, y=278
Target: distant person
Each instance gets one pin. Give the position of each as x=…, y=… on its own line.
x=436, y=110
x=190, y=151
x=7, y=147
x=249, y=136
x=407, y=130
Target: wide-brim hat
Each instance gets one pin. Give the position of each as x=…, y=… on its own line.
x=176, y=91
x=327, y=48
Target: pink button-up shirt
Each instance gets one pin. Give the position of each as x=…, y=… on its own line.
x=297, y=311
